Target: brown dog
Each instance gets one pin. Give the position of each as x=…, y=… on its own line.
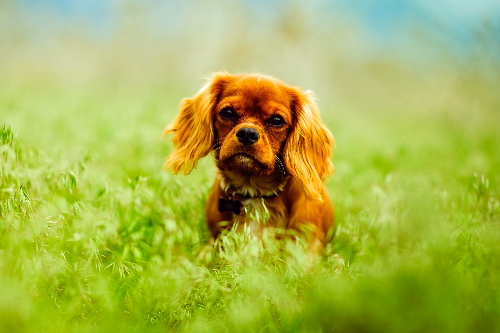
x=271, y=148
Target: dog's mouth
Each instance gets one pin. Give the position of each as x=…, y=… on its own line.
x=245, y=163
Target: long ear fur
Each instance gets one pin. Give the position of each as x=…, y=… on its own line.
x=193, y=126
x=308, y=147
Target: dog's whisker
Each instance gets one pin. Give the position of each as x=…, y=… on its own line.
x=216, y=145
x=281, y=167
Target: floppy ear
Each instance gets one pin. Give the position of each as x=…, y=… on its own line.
x=193, y=126
x=308, y=147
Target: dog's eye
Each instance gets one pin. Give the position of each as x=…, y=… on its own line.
x=276, y=121
x=228, y=113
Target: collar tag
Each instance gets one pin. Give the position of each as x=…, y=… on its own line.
x=230, y=205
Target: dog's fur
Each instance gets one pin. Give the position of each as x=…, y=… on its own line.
x=284, y=166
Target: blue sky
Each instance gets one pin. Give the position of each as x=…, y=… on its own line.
x=455, y=20
x=458, y=17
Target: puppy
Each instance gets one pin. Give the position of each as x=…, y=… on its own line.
x=272, y=153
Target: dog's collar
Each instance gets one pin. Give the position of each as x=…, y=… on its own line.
x=232, y=192
x=234, y=201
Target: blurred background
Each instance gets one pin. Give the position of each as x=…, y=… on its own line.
x=367, y=61
x=353, y=51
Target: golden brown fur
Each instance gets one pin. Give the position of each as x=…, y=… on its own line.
x=268, y=140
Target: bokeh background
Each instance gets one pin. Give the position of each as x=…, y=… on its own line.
x=351, y=53
x=94, y=235
x=384, y=61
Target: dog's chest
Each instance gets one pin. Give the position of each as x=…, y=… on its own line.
x=258, y=214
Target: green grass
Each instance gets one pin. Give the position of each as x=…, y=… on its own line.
x=94, y=236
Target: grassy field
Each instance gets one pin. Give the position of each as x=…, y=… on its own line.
x=94, y=236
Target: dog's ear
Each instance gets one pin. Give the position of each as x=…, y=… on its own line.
x=193, y=127
x=309, y=145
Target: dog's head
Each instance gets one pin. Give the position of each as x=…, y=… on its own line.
x=253, y=123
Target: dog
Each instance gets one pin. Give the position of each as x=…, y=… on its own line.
x=272, y=153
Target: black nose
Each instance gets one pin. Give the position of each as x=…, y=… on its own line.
x=247, y=135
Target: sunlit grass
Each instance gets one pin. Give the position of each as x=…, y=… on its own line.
x=94, y=236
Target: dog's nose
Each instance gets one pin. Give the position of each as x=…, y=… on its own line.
x=247, y=135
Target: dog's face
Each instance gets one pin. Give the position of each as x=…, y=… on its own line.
x=254, y=124
x=252, y=120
